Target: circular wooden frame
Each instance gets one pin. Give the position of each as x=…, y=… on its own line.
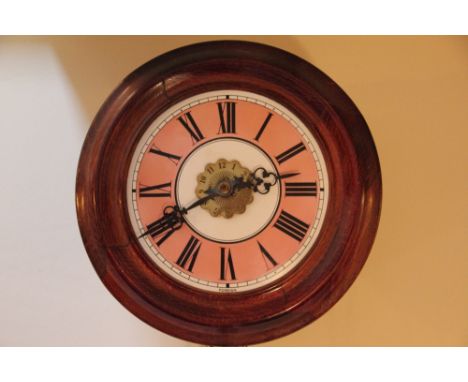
x=289, y=303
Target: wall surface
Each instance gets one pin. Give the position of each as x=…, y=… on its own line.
x=413, y=92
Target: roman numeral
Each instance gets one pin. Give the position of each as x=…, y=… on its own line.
x=190, y=252
x=160, y=227
x=226, y=265
x=267, y=255
x=301, y=188
x=164, y=226
x=161, y=190
x=189, y=124
x=291, y=226
x=265, y=123
x=289, y=153
x=172, y=157
x=227, y=117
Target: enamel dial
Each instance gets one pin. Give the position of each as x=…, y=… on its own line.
x=227, y=191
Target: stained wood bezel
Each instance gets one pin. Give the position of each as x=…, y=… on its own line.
x=289, y=303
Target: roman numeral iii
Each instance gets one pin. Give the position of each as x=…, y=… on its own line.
x=227, y=117
x=189, y=255
x=226, y=265
x=291, y=226
x=189, y=124
x=158, y=191
x=301, y=188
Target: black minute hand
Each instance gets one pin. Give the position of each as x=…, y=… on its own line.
x=173, y=219
x=199, y=202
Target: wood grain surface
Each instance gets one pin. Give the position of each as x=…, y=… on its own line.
x=348, y=231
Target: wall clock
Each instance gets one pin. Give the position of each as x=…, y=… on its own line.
x=228, y=193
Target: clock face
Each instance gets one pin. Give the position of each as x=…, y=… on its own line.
x=227, y=191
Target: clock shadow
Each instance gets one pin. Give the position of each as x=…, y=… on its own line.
x=95, y=65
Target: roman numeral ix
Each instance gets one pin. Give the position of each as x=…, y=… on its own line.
x=227, y=117
x=190, y=252
x=158, y=191
x=289, y=153
x=301, y=188
x=189, y=124
x=291, y=226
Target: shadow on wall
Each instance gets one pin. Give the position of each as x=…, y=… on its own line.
x=95, y=65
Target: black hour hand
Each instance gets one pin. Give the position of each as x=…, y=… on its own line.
x=261, y=180
x=264, y=180
x=172, y=219
x=165, y=226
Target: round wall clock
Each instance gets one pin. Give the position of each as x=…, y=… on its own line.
x=228, y=193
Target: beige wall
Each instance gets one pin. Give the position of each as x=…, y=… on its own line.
x=413, y=92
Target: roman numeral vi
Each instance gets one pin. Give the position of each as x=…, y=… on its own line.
x=226, y=265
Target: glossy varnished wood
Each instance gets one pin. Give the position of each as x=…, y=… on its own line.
x=249, y=317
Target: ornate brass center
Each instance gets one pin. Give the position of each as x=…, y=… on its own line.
x=219, y=176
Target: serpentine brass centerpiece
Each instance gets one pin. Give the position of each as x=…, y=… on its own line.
x=219, y=176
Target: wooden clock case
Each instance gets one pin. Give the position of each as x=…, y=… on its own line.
x=344, y=242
